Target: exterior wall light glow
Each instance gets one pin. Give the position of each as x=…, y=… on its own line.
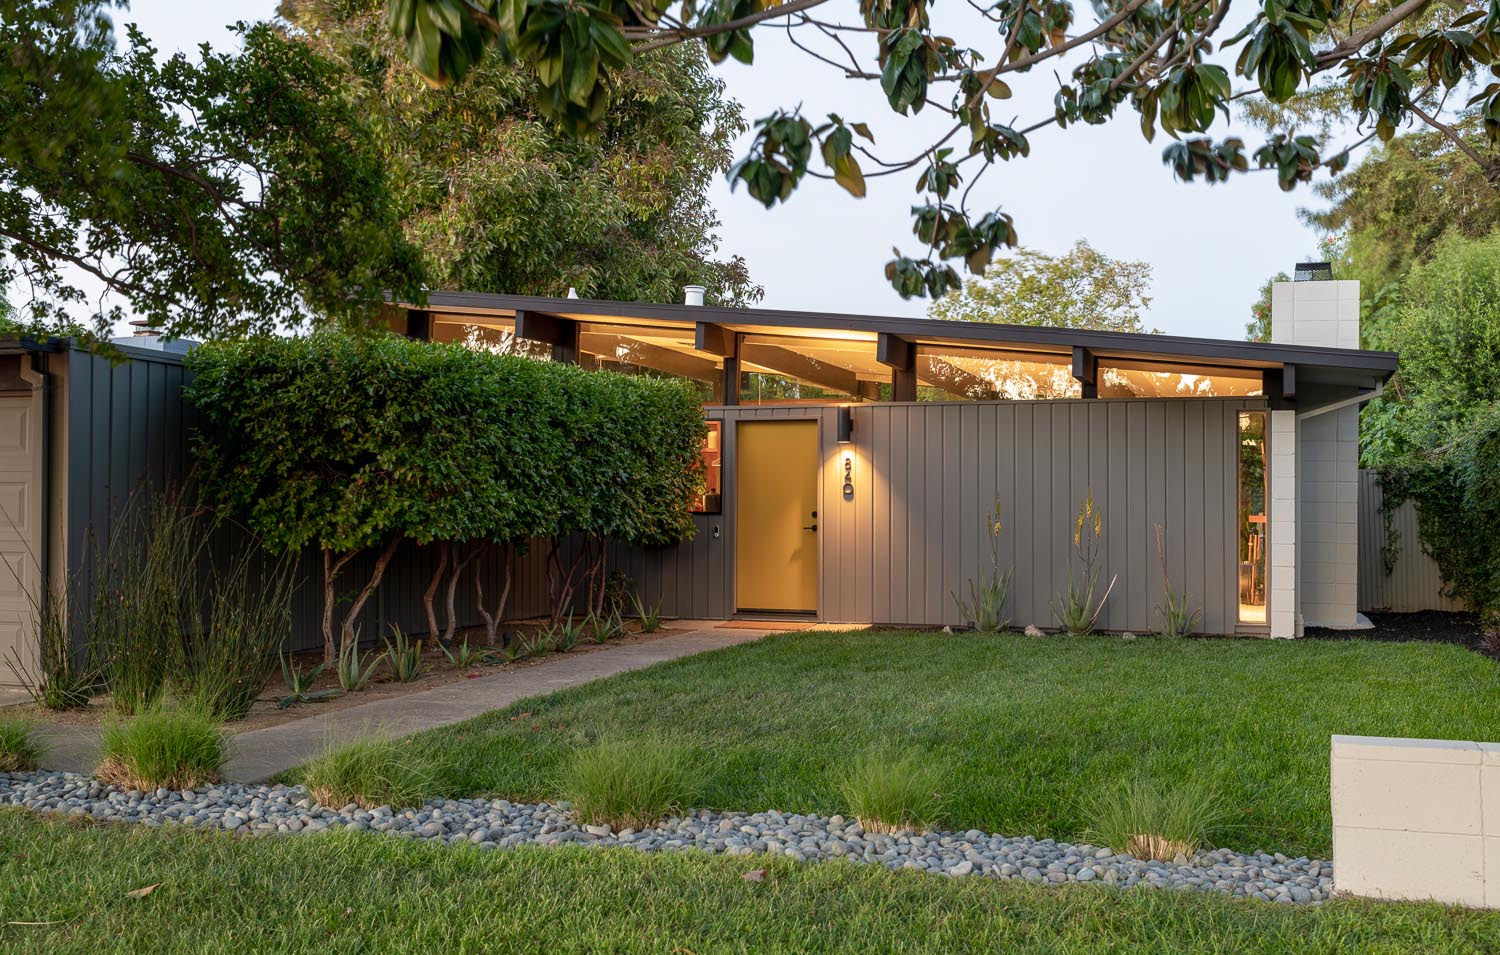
x=846, y=426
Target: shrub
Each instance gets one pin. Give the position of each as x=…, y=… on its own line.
x=59, y=680
x=1077, y=609
x=403, y=656
x=370, y=772
x=1150, y=821
x=890, y=792
x=1178, y=618
x=650, y=617
x=630, y=784
x=19, y=751
x=164, y=746
x=984, y=609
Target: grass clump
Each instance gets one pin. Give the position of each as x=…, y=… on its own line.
x=165, y=746
x=369, y=772
x=630, y=784
x=891, y=792
x=1152, y=821
x=19, y=752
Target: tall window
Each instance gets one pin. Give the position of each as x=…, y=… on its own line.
x=1252, y=517
x=713, y=456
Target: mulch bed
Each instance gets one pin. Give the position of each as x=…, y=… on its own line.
x=1427, y=626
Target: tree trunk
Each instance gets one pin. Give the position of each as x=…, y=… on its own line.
x=430, y=594
x=474, y=550
x=331, y=569
x=560, y=585
x=492, y=621
x=364, y=594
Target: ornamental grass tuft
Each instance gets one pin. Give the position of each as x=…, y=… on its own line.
x=1152, y=821
x=630, y=784
x=166, y=746
x=369, y=772
x=19, y=750
x=892, y=792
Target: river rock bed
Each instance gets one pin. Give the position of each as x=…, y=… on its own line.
x=256, y=810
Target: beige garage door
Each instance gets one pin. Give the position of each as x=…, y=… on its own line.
x=20, y=538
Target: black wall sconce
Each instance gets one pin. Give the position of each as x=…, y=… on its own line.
x=846, y=426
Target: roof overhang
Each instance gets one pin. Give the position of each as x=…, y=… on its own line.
x=1344, y=367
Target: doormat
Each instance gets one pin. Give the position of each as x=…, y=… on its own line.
x=766, y=625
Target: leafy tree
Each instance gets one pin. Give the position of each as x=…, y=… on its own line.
x=1398, y=63
x=1258, y=329
x=1390, y=211
x=222, y=195
x=499, y=200
x=1082, y=288
x=1447, y=331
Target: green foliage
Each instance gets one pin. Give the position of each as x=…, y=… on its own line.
x=1392, y=211
x=167, y=745
x=1152, y=820
x=892, y=792
x=649, y=616
x=1178, y=617
x=1396, y=65
x=630, y=783
x=403, y=656
x=356, y=669
x=1258, y=329
x=1078, y=607
x=463, y=656
x=19, y=750
x=213, y=195
x=984, y=610
x=346, y=443
x=1082, y=288
x=249, y=618
x=370, y=772
x=497, y=199
x=565, y=634
x=300, y=682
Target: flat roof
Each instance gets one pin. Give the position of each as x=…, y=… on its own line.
x=1332, y=365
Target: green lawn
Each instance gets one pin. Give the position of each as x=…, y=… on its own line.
x=1024, y=727
x=346, y=892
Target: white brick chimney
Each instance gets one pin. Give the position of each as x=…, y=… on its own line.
x=1314, y=465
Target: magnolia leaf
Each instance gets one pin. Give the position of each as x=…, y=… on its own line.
x=143, y=891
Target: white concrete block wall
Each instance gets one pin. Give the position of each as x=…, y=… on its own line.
x=1417, y=819
x=1328, y=532
x=1282, y=596
x=1321, y=476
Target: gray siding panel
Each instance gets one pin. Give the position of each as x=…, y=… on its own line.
x=1414, y=583
x=926, y=474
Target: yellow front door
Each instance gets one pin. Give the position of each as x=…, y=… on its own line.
x=776, y=518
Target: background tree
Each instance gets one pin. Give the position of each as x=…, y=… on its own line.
x=1399, y=62
x=227, y=194
x=1258, y=329
x=1082, y=288
x=499, y=200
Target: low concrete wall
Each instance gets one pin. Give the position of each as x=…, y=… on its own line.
x=1417, y=819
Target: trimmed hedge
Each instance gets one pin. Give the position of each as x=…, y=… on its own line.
x=347, y=442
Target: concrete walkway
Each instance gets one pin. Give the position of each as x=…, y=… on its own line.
x=257, y=755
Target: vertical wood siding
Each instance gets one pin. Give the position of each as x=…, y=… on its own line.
x=924, y=477
x=1414, y=583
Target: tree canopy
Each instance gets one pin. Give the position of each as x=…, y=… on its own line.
x=218, y=195
x=498, y=199
x=1082, y=288
x=1397, y=62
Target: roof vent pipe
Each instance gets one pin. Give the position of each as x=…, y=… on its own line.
x=693, y=294
x=572, y=292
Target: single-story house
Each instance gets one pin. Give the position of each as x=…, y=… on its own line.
x=851, y=460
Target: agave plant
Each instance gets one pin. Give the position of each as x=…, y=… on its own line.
x=1078, y=608
x=984, y=608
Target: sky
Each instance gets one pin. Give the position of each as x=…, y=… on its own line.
x=1210, y=248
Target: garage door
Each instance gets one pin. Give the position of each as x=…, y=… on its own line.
x=20, y=538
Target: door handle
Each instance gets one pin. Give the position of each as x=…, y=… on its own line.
x=810, y=527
